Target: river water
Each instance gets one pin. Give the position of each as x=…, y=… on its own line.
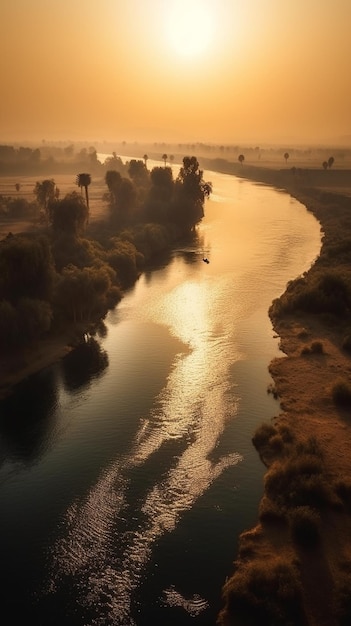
x=127, y=471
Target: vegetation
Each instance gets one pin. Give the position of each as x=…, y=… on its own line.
x=305, y=522
x=326, y=292
x=264, y=592
x=83, y=181
x=316, y=347
x=341, y=393
x=64, y=277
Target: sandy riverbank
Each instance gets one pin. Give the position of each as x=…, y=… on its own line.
x=308, y=576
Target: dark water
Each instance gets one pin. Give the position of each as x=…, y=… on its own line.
x=127, y=471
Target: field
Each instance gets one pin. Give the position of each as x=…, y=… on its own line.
x=66, y=184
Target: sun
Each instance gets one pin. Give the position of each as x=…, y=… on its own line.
x=189, y=27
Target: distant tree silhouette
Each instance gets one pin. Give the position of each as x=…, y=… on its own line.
x=286, y=156
x=122, y=193
x=113, y=180
x=165, y=157
x=160, y=194
x=330, y=161
x=84, y=180
x=138, y=172
x=171, y=158
x=190, y=193
x=69, y=215
x=325, y=165
x=45, y=193
x=145, y=157
x=17, y=187
x=241, y=158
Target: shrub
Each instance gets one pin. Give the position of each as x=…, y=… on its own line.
x=286, y=433
x=309, y=446
x=269, y=511
x=325, y=292
x=341, y=393
x=316, y=347
x=263, y=434
x=264, y=592
x=298, y=480
x=304, y=523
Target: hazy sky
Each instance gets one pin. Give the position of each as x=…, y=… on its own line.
x=226, y=71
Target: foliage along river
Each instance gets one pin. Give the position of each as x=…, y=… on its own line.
x=127, y=471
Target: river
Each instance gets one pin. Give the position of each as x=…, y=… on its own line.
x=127, y=471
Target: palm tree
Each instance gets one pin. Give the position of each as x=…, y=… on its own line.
x=84, y=180
x=165, y=157
x=241, y=158
x=286, y=156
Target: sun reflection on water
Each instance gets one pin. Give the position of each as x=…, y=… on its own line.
x=193, y=407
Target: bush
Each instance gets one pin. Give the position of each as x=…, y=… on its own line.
x=316, y=347
x=263, y=434
x=304, y=523
x=299, y=480
x=341, y=393
x=270, y=512
x=325, y=292
x=265, y=592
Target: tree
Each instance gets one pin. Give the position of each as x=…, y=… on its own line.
x=26, y=268
x=145, y=157
x=113, y=180
x=82, y=294
x=138, y=172
x=84, y=180
x=17, y=187
x=122, y=193
x=160, y=195
x=69, y=215
x=330, y=161
x=325, y=165
x=164, y=158
x=45, y=193
x=191, y=192
x=286, y=156
x=241, y=158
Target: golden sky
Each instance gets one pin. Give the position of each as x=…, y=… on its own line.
x=223, y=71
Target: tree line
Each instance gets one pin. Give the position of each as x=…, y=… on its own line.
x=67, y=275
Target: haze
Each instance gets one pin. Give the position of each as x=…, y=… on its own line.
x=247, y=71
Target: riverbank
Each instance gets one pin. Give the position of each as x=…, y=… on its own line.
x=16, y=368
x=295, y=565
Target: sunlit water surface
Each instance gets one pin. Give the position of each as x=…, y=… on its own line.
x=128, y=471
